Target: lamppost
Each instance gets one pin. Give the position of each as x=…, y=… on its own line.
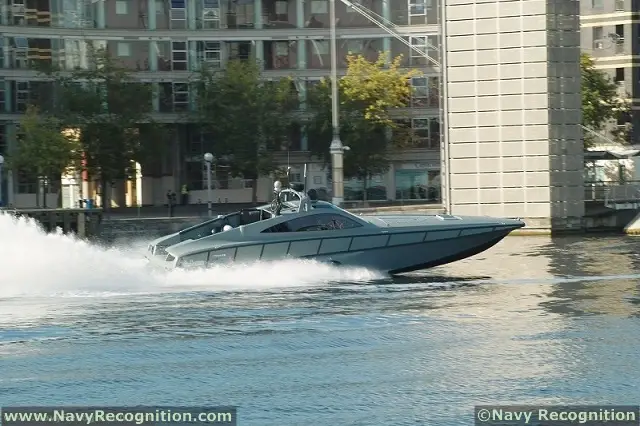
x=1, y=164
x=208, y=159
x=335, y=149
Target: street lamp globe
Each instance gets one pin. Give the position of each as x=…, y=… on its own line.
x=1, y=160
x=208, y=157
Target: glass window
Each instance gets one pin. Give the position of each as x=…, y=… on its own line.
x=124, y=49
x=21, y=42
x=414, y=184
x=282, y=48
x=417, y=7
x=202, y=230
x=321, y=47
x=319, y=222
x=319, y=6
x=597, y=34
x=282, y=7
x=355, y=46
x=122, y=7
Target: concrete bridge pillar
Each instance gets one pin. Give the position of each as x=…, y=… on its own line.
x=513, y=141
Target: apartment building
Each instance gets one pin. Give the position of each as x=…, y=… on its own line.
x=609, y=32
x=165, y=41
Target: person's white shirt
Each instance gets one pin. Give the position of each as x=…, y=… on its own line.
x=226, y=228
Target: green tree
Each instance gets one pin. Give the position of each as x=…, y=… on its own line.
x=601, y=102
x=368, y=94
x=107, y=106
x=246, y=117
x=44, y=151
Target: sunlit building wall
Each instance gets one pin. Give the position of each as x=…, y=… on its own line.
x=514, y=110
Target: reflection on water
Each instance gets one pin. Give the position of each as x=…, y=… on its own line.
x=533, y=320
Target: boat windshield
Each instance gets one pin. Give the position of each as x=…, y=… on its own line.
x=223, y=223
x=291, y=206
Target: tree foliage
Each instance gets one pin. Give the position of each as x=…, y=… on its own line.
x=106, y=105
x=246, y=118
x=368, y=94
x=44, y=149
x=601, y=102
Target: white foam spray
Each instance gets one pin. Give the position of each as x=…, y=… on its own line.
x=36, y=264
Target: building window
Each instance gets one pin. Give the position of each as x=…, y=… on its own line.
x=124, y=49
x=221, y=177
x=597, y=4
x=3, y=140
x=426, y=132
x=159, y=7
x=179, y=56
x=22, y=96
x=319, y=7
x=376, y=189
x=420, y=94
x=619, y=75
x=210, y=14
x=417, y=7
x=3, y=106
x=174, y=97
x=598, y=35
x=239, y=50
x=209, y=52
x=122, y=7
x=417, y=183
x=619, y=5
x=355, y=47
x=194, y=176
x=321, y=47
x=27, y=184
x=282, y=10
x=21, y=43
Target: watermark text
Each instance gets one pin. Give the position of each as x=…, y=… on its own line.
x=121, y=416
x=557, y=415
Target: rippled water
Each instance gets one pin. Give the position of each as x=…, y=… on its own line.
x=533, y=320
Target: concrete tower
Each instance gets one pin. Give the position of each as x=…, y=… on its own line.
x=513, y=144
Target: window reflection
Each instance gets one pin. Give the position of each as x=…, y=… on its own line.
x=417, y=184
x=320, y=222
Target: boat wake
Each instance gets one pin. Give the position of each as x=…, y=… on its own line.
x=37, y=264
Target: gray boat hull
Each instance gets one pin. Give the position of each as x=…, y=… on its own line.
x=418, y=256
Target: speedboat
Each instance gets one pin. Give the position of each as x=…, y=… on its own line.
x=298, y=225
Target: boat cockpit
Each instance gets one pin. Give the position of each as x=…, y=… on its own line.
x=285, y=201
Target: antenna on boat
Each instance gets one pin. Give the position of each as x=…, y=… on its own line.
x=304, y=182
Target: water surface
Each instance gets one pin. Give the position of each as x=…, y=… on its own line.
x=533, y=320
